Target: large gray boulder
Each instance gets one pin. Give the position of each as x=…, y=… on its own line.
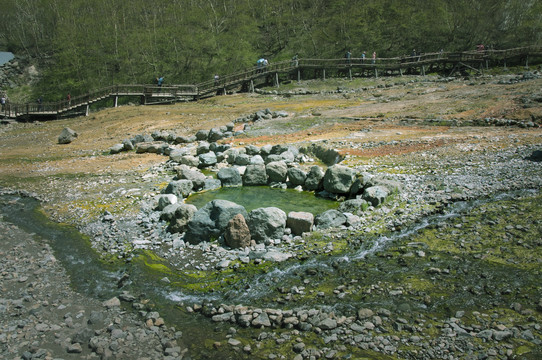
x=215, y=134
x=300, y=222
x=339, y=179
x=297, y=176
x=314, y=179
x=266, y=224
x=255, y=175
x=189, y=160
x=115, y=149
x=177, y=154
x=375, y=194
x=230, y=177
x=203, y=147
x=165, y=200
x=202, y=134
x=276, y=171
x=330, y=219
x=242, y=159
x=211, y=220
x=354, y=206
x=207, y=159
x=183, y=214
x=180, y=188
x=193, y=174
x=67, y=136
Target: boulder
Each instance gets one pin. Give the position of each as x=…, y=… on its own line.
x=375, y=194
x=300, y=222
x=202, y=135
x=338, y=179
x=168, y=213
x=230, y=177
x=189, y=160
x=266, y=224
x=252, y=150
x=203, y=147
x=183, y=214
x=327, y=155
x=296, y=176
x=329, y=219
x=215, y=134
x=255, y=175
x=165, y=200
x=67, y=136
x=177, y=154
x=193, y=174
x=237, y=234
x=207, y=159
x=181, y=188
x=242, y=159
x=314, y=178
x=211, y=220
x=354, y=206
x=128, y=145
x=115, y=149
x=276, y=171
x=211, y=184
x=257, y=160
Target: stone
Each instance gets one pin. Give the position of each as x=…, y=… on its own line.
x=189, y=160
x=193, y=174
x=255, y=175
x=230, y=177
x=327, y=324
x=276, y=171
x=208, y=159
x=375, y=195
x=266, y=224
x=115, y=149
x=211, y=220
x=215, y=134
x=365, y=313
x=165, y=200
x=183, y=214
x=181, y=188
x=276, y=256
x=202, y=134
x=261, y=320
x=338, y=179
x=177, y=154
x=237, y=234
x=353, y=206
x=315, y=177
x=67, y=136
x=329, y=219
x=300, y=222
x=111, y=303
x=296, y=176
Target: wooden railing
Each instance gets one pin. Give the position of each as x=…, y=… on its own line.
x=156, y=94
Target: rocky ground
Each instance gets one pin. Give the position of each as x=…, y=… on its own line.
x=444, y=140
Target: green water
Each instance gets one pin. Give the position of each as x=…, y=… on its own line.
x=253, y=197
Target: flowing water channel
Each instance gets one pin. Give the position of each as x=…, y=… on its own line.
x=95, y=278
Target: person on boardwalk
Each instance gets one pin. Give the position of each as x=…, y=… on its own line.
x=69, y=98
x=160, y=81
x=363, y=56
x=348, y=56
x=217, y=78
x=40, y=106
x=295, y=61
x=374, y=57
x=3, y=100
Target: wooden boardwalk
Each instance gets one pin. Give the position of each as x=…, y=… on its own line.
x=447, y=63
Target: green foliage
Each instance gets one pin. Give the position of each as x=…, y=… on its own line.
x=90, y=44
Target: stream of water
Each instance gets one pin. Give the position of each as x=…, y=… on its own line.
x=95, y=278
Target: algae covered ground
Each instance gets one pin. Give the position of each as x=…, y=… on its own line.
x=448, y=267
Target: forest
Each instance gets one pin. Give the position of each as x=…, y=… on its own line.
x=86, y=44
